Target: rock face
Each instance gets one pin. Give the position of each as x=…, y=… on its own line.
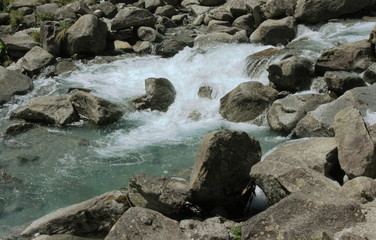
x=221, y=170
x=35, y=59
x=98, y=110
x=88, y=35
x=304, y=215
x=247, y=101
x=360, y=189
x=96, y=215
x=356, y=150
x=285, y=113
x=275, y=32
x=292, y=74
x=133, y=17
x=295, y=165
x=47, y=110
x=341, y=81
x=12, y=83
x=145, y=224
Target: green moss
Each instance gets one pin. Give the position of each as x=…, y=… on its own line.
x=35, y=36
x=236, y=233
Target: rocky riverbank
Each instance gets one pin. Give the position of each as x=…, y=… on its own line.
x=321, y=185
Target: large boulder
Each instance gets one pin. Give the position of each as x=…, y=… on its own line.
x=221, y=171
x=297, y=164
x=145, y=224
x=279, y=8
x=247, y=101
x=88, y=35
x=35, y=60
x=47, y=110
x=18, y=44
x=98, y=110
x=360, y=189
x=13, y=83
x=285, y=113
x=292, y=74
x=94, y=216
x=133, y=17
x=356, y=149
x=275, y=32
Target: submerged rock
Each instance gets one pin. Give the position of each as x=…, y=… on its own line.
x=13, y=83
x=17, y=128
x=370, y=74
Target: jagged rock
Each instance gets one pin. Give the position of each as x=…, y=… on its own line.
x=145, y=224
x=98, y=110
x=221, y=26
x=166, y=11
x=65, y=13
x=356, y=150
x=355, y=56
x=142, y=47
x=133, y=17
x=211, y=2
x=221, y=171
x=341, y=81
x=179, y=18
x=17, y=128
x=285, y=113
x=210, y=229
x=370, y=74
x=247, y=101
x=149, y=34
x=256, y=7
x=96, y=215
x=198, y=10
x=279, y=8
x=295, y=165
x=292, y=74
x=109, y=10
x=245, y=22
x=35, y=60
x=13, y=83
x=88, y=35
x=170, y=47
x=360, y=189
x=275, y=32
x=80, y=8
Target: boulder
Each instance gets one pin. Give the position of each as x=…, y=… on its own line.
x=221, y=170
x=79, y=8
x=247, y=101
x=142, y=47
x=292, y=74
x=221, y=37
x=17, y=128
x=259, y=61
x=295, y=165
x=369, y=75
x=18, y=44
x=170, y=47
x=355, y=56
x=145, y=224
x=285, y=113
x=274, y=32
x=318, y=123
x=221, y=14
x=25, y=3
x=356, y=149
x=211, y=2
x=360, y=189
x=279, y=8
x=151, y=5
x=256, y=7
x=340, y=81
x=198, y=10
x=304, y=215
x=133, y=17
x=166, y=11
x=221, y=26
x=4, y=18
x=149, y=34
x=109, y=10
x=65, y=13
x=245, y=22
x=48, y=8
x=60, y=237
x=64, y=67
x=236, y=7
x=88, y=35
x=210, y=229
x=94, y=216
x=35, y=60
x=50, y=37
x=98, y=110
x=13, y=83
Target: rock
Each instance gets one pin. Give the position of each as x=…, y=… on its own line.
x=109, y=10
x=64, y=67
x=96, y=215
x=17, y=128
x=142, y=47
x=145, y=224
x=304, y=215
x=340, y=81
x=210, y=229
x=257, y=8
x=279, y=8
x=205, y=92
x=149, y=34
x=318, y=123
x=355, y=56
x=123, y=45
x=98, y=110
x=25, y=3
x=221, y=171
x=13, y=83
x=274, y=32
x=221, y=37
x=160, y=94
x=220, y=14
x=285, y=113
x=18, y=44
x=369, y=75
x=198, y=10
x=292, y=74
x=4, y=18
x=166, y=11
x=50, y=37
x=245, y=22
x=356, y=150
x=48, y=8
x=35, y=60
x=133, y=17
x=295, y=165
x=221, y=26
x=236, y=7
x=60, y=237
x=179, y=18
x=360, y=189
x=88, y=35
x=151, y=5
x=65, y=13
x=259, y=61
x=211, y=2
x=80, y=8
x=247, y=101
x=170, y=47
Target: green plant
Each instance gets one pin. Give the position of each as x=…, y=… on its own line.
x=5, y=5
x=16, y=18
x=61, y=35
x=35, y=36
x=44, y=17
x=236, y=233
x=4, y=57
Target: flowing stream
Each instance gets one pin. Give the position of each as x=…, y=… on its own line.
x=57, y=167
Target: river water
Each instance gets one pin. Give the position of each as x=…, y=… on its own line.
x=57, y=167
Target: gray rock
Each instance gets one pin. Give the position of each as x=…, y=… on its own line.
x=64, y=67
x=211, y=2
x=142, y=47
x=275, y=32
x=60, y=237
x=221, y=37
x=25, y=3
x=245, y=22
x=210, y=229
x=256, y=7
x=65, y=13
x=80, y=8
x=4, y=18
x=13, y=83
x=35, y=60
x=170, y=47
x=166, y=11
x=221, y=14
x=236, y=7
x=341, y=81
x=49, y=37
x=149, y=34
x=285, y=113
x=221, y=26
x=151, y=5
x=96, y=215
x=259, y=61
x=17, y=128
x=198, y=10
x=48, y=8
x=370, y=74
x=279, y=8
x=221, y=171
x=247, y=101
x=205, y=92
x=133, y=17
x=18, y=44
x=145, y=224
x=360, y=189
x=109, y=10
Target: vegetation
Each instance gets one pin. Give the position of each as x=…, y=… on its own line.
x=4, y=57
x=4, y=5
x=16, y=18
x=236, y=233
x=61, y=35
x=44, y=17
x=35, y=36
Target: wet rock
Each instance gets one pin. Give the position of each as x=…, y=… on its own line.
x=285, y=113
x=125, y=46
x=279, y=8
x=205, y=92
x=341, y=81
x=109, y=10
x=98, y=110
x=166, y=11
x=258, y=62
x=47, y=110
x=210, y=229
x=221, y=26
x=13, y=83
x=247, y=101
x=356, y=150
x=25, y=159
x=64, y=67
x=170, y=47
x=149, y=34
x=221, y=171
x=292, y=74
x=145, y=224
x=35, y=60
x=297, y=164
x=355, y=56
x=94, y=216
x=221, y=14
x=360, y=189
x=142, y=47
x=370, y=74
x=8, y=180
x=275, y=32
x=17, y=128
x=133, y=17
x=88, y=35
x=221, y=37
